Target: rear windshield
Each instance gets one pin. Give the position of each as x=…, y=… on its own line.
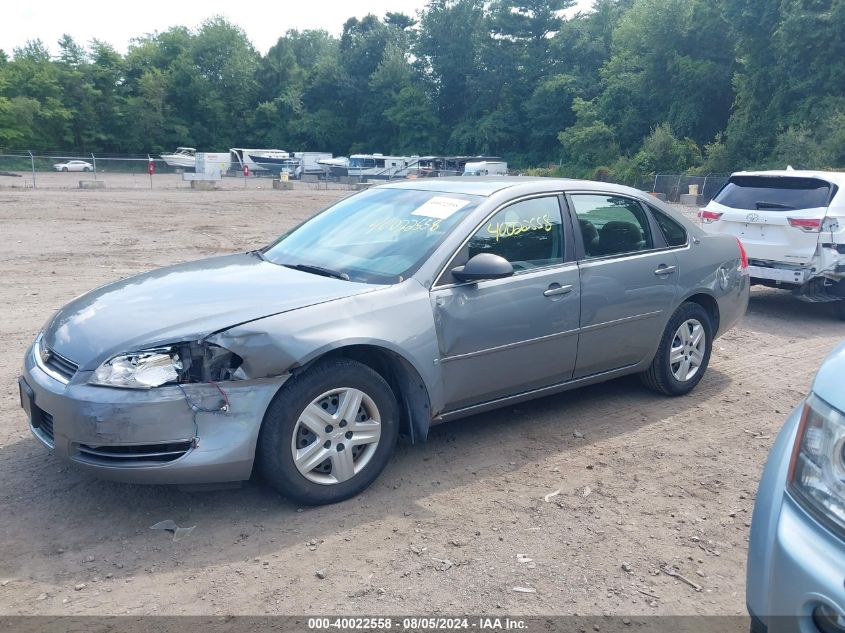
x=774, y=193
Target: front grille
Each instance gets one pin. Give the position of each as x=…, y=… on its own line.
x=132, y=455
x=59, y=364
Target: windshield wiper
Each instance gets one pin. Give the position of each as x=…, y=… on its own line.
x=762, y=204
x=318, y=270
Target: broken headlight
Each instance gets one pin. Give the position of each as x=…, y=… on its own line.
x=184, y=363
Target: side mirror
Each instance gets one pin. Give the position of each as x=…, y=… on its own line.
x=483, y=266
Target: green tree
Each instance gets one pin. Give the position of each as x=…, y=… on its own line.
x=663, y=152
x=672, y=62
x=590, y=142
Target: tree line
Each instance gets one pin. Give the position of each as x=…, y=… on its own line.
x=631, y=87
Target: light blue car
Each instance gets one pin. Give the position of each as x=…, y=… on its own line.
x=796, y=553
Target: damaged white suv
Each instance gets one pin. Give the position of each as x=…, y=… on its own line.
x=792, y=225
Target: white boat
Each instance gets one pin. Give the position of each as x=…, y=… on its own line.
x=182, y=157
x=254, y=158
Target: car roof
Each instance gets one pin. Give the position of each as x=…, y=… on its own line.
x=834, y=177
x=489, y=185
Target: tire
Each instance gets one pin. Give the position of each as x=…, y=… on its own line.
x=663, y=376
x=64, y=168
x=839, y=307
x=86, y=169
x=348, y=465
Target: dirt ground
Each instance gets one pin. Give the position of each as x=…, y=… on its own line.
x=644, y=481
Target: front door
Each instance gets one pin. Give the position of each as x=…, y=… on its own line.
x=506, y=336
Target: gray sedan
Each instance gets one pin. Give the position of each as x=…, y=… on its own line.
x=406, y=305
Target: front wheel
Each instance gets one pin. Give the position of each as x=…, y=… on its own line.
x=328, y=433
x=64, y=168
x=683, y=354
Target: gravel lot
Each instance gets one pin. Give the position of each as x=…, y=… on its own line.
x=644, y=481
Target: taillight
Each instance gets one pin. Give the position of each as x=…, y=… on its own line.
x=709, y=216
x=810, y=225
x=743, y=258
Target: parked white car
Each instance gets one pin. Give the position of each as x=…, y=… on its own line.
x=792, y=225
x=74, y=165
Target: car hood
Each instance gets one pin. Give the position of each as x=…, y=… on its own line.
x=184, y=302
x=828, y=382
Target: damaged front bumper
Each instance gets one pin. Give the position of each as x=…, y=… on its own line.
x=148, y=436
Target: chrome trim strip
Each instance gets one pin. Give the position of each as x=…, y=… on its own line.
x=41, y=437
x=636, y=317
x=609, y=259
x=36, y=355
x=499, y=348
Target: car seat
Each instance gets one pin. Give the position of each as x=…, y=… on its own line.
x=619, y=237
x=591, y=237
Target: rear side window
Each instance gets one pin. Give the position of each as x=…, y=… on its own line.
x=775, y=193
x=673, y=232
x=611, y=225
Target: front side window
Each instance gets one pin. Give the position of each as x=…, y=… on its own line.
x=528, y=234
x=611, y=225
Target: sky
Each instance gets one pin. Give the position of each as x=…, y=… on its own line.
x=118, y=21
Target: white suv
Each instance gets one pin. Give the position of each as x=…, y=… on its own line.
x=792, y=225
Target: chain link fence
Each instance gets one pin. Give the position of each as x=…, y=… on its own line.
x=683, y=189
x=27, y=170
x=24, y=169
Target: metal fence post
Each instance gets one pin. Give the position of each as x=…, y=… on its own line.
x=94, y=159
x=654, y=187
x=32, y=160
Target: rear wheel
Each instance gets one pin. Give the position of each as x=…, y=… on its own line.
x=839, y=306
x=683, y=354
x=328, y=433
x=86, y=169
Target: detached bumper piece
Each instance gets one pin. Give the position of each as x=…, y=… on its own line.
x=819, y=290
x=127, y=456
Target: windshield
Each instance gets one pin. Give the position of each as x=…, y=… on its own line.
x=376, y=236
x=774, y=193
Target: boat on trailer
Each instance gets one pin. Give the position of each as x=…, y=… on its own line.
x=183, y=157
x=258, y=159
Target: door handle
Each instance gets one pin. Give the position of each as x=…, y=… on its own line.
x=665, y=270
x=554, y=291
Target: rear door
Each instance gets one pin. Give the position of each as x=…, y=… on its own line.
x=629, y=278
x=777, y=218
